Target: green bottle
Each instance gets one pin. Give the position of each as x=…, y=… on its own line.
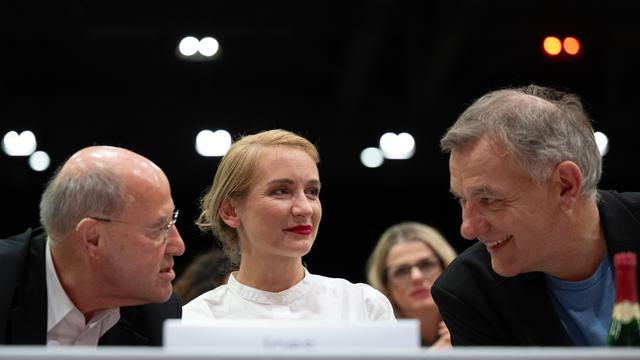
x=625, y=322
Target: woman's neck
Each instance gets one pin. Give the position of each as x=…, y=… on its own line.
x=269, y=274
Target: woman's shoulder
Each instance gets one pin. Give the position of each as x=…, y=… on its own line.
x=204, y=305
x=332, y=282
x=375, y=305
x=343, y=285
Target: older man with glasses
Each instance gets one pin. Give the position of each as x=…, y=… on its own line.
x=99, y=272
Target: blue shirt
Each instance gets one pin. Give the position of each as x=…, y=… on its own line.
x=585, y=306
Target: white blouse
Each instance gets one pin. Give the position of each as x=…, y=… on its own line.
x=315, y=297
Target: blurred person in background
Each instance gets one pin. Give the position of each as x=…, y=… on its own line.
x=405, y=262
x=206, y=272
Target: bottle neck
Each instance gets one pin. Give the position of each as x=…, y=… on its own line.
x=626, y=288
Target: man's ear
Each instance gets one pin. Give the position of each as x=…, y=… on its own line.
x=568, y=176
x=88, y=234
x=229, y=213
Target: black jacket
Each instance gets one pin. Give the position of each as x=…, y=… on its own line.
x=482, y=308
x=23, y=300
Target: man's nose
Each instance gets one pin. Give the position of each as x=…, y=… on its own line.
x=473, y=223
x=175, y=244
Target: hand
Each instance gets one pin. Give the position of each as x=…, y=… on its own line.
x=444, y=339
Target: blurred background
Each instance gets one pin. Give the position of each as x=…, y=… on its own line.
x=341, y=73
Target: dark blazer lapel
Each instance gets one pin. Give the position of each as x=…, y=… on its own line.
x=123, y=332
x=621, y=227
x=142, y=325
x=533, y=314
x=29, y=318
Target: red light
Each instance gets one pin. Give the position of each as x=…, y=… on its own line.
x=552, y=45
x=571, y=45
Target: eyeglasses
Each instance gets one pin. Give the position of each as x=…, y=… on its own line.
x=401, y=274
x=162, y=230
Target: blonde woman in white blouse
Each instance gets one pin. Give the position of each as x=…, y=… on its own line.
x=264, y=207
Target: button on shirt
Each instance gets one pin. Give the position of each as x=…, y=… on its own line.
x=315, y=297
x=66, y=325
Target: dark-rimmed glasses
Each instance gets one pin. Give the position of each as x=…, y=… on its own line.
x=401, y=274
x=162, y=230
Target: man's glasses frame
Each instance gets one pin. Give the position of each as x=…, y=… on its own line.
x=162, y=229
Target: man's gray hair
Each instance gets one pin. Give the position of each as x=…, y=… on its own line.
x=71, y=196
x=539, y=126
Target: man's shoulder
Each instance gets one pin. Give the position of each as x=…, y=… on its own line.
x=620, y=220
x=14, y=245
x=22, y=268
x=15, y=250
x=170, y=309
x=142, y=324
x=474, y=258
x=629, y=200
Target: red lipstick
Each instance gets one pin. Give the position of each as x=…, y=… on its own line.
x=300, y=229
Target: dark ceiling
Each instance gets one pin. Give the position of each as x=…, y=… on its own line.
x=340, y=73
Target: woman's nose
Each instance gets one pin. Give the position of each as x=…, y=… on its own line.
x=416, y=273
x=301, y=206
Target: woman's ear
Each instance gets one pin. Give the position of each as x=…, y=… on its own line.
x=229, y=214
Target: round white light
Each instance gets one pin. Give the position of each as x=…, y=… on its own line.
x=371, y=157
x=39, y=161
x=188, y=46
x=401, y=146
x=209, y=143
x=19, y=145
x=208, y=46
x=603, y=142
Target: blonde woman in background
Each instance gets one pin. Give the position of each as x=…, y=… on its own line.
x=407, y=259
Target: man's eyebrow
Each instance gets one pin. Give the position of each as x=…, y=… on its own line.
x=164, y=219
x=480, y=191
x=483, y=191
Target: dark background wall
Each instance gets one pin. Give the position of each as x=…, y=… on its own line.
x=340, y=73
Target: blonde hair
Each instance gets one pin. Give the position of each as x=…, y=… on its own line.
x=401, y=233
x=234, y=176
